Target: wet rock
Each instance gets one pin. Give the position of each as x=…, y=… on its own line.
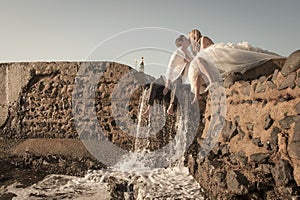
x=90, y=164
x=237, y=182
x=292, y=63
x=282, y=173
x=268, y=122
x=118, y=189
x=260, y=158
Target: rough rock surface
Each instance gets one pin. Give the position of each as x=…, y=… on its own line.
x=257, y=156
x=43, y=106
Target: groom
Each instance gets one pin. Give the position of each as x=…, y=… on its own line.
x=176, y=75
x=177, y=70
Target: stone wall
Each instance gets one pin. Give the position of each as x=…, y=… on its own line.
x=36, y=99
x=257, y=156
x=39, y=101
x=13, y=77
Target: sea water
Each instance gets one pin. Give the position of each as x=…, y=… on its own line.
x=139, y=169
x=169, y=183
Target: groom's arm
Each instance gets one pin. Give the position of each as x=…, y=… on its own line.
x=206, y=42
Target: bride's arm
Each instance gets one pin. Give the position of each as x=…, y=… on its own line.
x=187, y=58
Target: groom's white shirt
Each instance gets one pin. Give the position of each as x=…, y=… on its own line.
x=177, y=67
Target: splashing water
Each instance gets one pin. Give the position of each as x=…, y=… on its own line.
x=145, y=176
x=139, y=145
x=142, y=158
x=148, y=183
x=171, y=183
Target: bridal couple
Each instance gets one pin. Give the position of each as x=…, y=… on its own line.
x=207, y=64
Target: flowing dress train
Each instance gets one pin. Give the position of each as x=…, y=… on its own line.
x=220, y=59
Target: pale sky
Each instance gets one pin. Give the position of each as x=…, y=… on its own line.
x=79, y=30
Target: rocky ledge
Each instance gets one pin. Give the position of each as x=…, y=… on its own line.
x=257, y=154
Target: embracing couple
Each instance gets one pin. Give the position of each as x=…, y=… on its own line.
x=206, y=64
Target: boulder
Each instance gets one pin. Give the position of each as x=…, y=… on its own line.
x=292, y=63
x=265, y=69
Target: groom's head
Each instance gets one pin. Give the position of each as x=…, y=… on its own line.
x=182, y=41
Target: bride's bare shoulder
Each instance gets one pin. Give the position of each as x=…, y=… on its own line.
x=207, y=41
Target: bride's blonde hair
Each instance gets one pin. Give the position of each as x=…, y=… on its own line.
x=195, y=35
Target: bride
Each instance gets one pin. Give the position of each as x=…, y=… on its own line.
x=215, y=61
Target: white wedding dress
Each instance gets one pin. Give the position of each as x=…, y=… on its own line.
x=220, y=59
